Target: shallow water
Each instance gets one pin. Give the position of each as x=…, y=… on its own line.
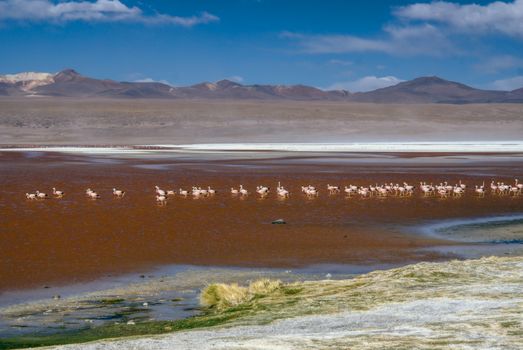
x=171, y=292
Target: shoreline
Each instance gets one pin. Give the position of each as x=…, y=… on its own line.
x=452, y=147
x=392, y=303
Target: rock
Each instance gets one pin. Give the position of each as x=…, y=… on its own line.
x=279, y=222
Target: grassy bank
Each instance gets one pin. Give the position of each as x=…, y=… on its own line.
x=477, y=298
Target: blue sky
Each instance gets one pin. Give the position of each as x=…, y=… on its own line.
x=355, y=45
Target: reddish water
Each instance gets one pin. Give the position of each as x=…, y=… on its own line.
x=73, y=239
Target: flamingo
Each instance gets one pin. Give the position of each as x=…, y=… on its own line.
x=243, y=191
x=442, y=192
x=159, y=191
x=93, y=195
x=363, y=191
x=480, y=190
x=234, y=191
x=310, y=191
x=30, y=196
x=514, y=190
x=162, y=200
x=41, y=195
x=262, y=190
x=183, y=192
x=196, y=192
x=333, y=189
x=382, y=191
x=210, y=190
x=493, y=187
x=458, y=191
x=408, y=188
x=58, y=193
x=118, y=193
x=427, y=190
x=171, y=192
x=281, y=191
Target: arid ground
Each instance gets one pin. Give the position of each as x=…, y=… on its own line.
x=122, y=122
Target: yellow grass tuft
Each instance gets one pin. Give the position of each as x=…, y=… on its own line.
x=264, y=286
x=221, y=295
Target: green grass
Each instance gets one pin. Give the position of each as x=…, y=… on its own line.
x=118, y=330
x=212, y=317
x=112, y=301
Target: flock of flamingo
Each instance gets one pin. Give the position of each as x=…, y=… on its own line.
x=442, y=190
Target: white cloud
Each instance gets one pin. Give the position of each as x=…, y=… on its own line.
x=88, y=11
x=498, y=16
x=235, y=78
x=499, y=63
x=367, y=83
x=508, y=84
x=150, y=80
x=423, y=29
x=407, y=40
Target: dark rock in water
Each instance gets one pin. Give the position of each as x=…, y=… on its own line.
x=56, y=297
x=279, y=222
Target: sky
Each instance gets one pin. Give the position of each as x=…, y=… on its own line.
x=329, y=44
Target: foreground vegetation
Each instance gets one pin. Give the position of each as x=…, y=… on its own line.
x=222, y=302
x=494, y=284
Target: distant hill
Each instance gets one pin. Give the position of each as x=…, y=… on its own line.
x=69, y=83
x=435, y=90
x=232, y=90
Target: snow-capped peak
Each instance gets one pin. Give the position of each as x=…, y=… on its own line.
x=26, y=76
x=28, y=80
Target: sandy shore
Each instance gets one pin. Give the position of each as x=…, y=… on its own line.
x=74, y=239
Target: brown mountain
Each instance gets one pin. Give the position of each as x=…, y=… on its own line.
x=432, y=90
x=232, y=90
x=69, y=83
x=72, y=84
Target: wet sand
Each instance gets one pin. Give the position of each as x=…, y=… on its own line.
x=74, y=239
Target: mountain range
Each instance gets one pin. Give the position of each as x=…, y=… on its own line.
x=69, y=83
